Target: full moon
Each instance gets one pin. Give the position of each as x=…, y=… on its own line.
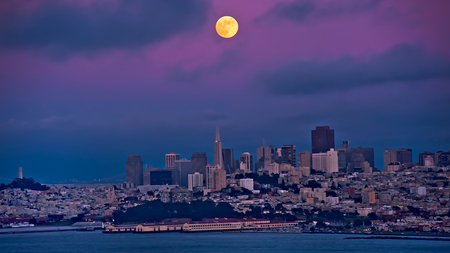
x=227, y=26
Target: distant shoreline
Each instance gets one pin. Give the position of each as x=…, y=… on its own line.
x=398, y=238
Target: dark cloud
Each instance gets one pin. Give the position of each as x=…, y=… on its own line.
x=402, y=63
x=66, y=28
x=297, y=11
x=301, y=10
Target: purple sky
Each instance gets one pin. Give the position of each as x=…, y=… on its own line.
x=85, y=83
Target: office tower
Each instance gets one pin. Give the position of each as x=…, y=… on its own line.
x=20, y=173
x=218, y=159
x=422, y=157
x=147, y=175
x=246, y=160
x=183, y=167
x=134, y=170
x=264, y=156
x=389, y=156
x=345, y=144
x=198, y=163
x=161, y=177
x=304, y=159
x=443, y=158
x=170, y=160
x=332, y=161
x=319, y=162
x=273, y=152
x=274, y=168
x=351, y=158
x=342, y=160
x=404, y=156
x=288, y=155
x=220, y=179
x=356, y=162
x=210, y=176
x=322, y=139
x=366, y=167
x=215, y=177
x=428, y=161
x=246, y=183
x=195, y=180
x=228, y=160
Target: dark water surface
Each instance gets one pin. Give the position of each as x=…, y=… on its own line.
x=74, y=241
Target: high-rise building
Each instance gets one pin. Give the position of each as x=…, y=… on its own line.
x=319, y=162
x=428, y=161
x=170, y=160
x=134, y=170
x=246, y=161
x=356, y=161
x=218, y=159
x=20, y=173
x=304, y=159
x=342, y=160
x=423, y=155
x=366, y=167
x=273, y=153
x=198, y=163
x=404, y=155
x=264, y=156
x=246, y=183
x=147, y=175
x=161, y=177
x=288, y=155
x=228, y=160
x=322, y=139
x=356, y=156
x=215, y=177
x=220, y=179
x=443, y=158
x=195, y=180
x=184, y=169
x=389, y=156
x=332, y=161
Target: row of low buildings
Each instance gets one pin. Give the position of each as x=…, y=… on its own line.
x=207, y=225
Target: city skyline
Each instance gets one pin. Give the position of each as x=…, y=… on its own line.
x=154, y=77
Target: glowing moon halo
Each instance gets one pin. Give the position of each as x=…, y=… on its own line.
x=227, y=27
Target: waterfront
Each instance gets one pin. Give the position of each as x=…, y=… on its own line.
x=74, y=241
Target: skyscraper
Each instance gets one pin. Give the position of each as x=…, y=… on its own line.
x=170, y=159
x=20, y=173
x=332, y=161
x=423, y=155
x=304, y=159
x=264, y=156
x=389, y=156
x=246, y=161
x=322, y=139
x=183, y=167
x=134, y=170
x=228, y=160
x=319, y=162
x=195, y=180
x=404, y=155
x=198, y=163
x=367, y=154
x=288, y=155
x=215, y=177
x=218, y=159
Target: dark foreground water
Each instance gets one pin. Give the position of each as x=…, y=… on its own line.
x=207, y=242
